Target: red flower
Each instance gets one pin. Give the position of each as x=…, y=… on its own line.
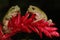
x=26, y=24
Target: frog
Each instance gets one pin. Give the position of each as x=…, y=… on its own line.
x=11, y=12
x=40, y=14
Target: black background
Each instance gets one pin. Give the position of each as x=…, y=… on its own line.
x=50, y=7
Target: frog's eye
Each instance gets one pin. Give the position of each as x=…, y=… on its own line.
x=33, y=8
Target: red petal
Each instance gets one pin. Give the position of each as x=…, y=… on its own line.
x=1, y=33
x=50, y=28
x=25, y=17
x=55, y=34
x=47, y=33
x=32, y=28
x=40, y=34
x=25, y=28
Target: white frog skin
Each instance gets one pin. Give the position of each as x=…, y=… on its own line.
x=11, y=12
x=39, y=13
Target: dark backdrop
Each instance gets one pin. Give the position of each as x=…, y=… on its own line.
x=50, y=7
